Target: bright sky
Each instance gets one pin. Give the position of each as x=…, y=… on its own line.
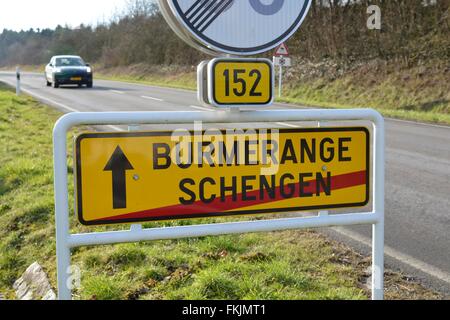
x=26, y=14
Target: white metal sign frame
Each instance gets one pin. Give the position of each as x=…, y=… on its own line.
x=65, y=241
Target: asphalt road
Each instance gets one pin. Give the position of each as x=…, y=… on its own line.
x=418, y=171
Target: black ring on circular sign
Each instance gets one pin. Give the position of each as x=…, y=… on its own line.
x=242, y=50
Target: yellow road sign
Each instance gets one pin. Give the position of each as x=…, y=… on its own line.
x=240, y=82
x=148, y=176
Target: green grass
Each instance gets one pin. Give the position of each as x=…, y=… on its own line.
x=283, y=265
x=179, y=77
x=405, y=94
x=430, y=117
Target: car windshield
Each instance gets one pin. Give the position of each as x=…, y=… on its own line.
x=69, y=62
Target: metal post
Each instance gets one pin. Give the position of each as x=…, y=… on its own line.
x=62, y=213
x=280, y=86
x=379, y=208
x=18, y=91
x=378, y=261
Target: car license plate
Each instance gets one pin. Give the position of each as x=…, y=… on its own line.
x=75, y=78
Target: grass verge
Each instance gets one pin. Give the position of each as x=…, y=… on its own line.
x=420, y=93
x=282, y=265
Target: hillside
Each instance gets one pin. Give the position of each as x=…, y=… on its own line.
x=412, y=32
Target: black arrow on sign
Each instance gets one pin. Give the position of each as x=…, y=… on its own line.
x=118, y=165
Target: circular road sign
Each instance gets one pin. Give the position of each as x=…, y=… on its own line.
x=241, y=27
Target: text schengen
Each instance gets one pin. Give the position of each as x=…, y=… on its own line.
x=263, y=165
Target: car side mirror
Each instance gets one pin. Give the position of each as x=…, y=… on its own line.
x=88, y=64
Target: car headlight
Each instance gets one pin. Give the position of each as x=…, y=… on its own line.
x=88, y=70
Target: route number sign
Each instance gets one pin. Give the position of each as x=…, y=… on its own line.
x=147, y=176
x=240, y=82
x=242, y=27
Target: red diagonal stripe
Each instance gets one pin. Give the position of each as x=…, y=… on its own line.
x=338, y=182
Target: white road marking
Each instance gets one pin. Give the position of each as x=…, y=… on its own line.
x=420, y=123
x=284, y=124
x=395, y=254
x=145, y=85
x=38, y=96
x=202, y=108
x=50, y=100
x=117, y=91
x=152, y=98
x=115, y=128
